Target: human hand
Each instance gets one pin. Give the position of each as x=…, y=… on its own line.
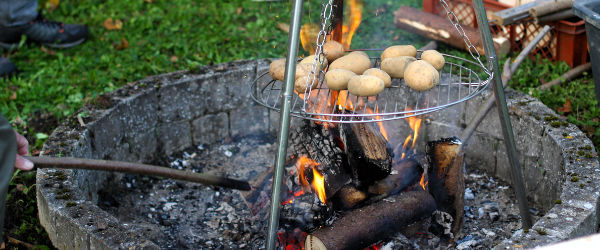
x=22, y=150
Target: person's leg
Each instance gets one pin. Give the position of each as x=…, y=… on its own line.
x=8, y=151
x=17, y=12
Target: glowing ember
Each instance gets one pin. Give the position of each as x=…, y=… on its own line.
x=319, y=185
x=423, y=182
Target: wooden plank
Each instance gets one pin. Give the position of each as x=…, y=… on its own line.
x=515, y=14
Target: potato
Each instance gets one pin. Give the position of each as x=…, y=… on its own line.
x=355, y=62
x=310, y=59
x=302, y=69
x=420, y=75
x=301, y=85
x=387, y=80
x=359, y=52
x=436, y=59
x=399, y=50
x=337, y=79
x=395, y=66
x=365, y=85
x=277, y=69
x=333, y=50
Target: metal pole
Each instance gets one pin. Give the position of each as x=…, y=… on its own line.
x=284, y=121
x=509, y=138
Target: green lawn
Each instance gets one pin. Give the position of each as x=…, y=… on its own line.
x=163, y=36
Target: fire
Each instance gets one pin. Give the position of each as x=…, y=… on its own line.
x=318, y=180
x=414, y=122
x=355, y=9
x=404, y=146
x=423, y=182
x=379, y=123
x=319, y=185
x=308, y=36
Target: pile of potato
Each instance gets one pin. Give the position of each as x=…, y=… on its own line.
x=355, y=73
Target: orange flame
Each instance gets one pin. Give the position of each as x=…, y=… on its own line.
x=301, y=165
x=404, y=146
x=423, y=183
x=319, y=185
x=379, y=123
x=414, y=122
x=355, y=7
x=308, y=36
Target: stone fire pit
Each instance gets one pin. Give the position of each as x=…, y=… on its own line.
x=162, y=115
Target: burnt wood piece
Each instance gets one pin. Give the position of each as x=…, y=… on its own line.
x=405, y=173
x=348, y=197
x=323, y=145
x=369, y=153
x=440, y=29
x=446, y=179
x=360, y=228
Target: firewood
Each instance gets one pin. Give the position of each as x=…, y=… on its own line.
x=446, y=179
x=369, y=153
x=323, y=145
x=348, y=197
x=362, y=227
x=550, y=7
x=440, y=29
x=405, y=173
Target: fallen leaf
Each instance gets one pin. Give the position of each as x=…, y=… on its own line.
x=18, y=121
x=123, y=45
x=239, y=10
x=566, y=108
x=13, y=96
x=174, y=59
x=51, y=5
x=48, y=51
x=148, y=1
x=111, y=24
x=284, y=27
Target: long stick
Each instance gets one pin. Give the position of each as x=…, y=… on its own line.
x=509, y=138
x=137, y=168
x=575, y=72
x=507, y=74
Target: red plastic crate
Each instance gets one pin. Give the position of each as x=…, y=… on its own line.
x=566, y=42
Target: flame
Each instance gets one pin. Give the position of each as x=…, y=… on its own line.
x=308, y=36
x=355, y=9
x=404, y=146
x=423, y=182
x=301, y=165
x=319, y=185
x=379, y=123
x=414, y=122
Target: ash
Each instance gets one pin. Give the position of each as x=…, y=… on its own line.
x=181, y=215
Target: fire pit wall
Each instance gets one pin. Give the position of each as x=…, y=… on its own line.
x=164, y=114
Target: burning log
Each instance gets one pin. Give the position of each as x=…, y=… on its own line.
x=446, y=180
x=440, y=29
x=369, y=153
x=405, y=173
x=321, y=144
x=348, y=197
x=362, y=227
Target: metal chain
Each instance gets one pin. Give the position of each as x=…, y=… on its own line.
x=319, y=56
x=456, y=22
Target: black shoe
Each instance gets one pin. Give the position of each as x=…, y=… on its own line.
x=45, y=32
x=7, y=68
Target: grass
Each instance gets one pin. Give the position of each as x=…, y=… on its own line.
x=164, y=36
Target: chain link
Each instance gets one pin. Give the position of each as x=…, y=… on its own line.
x=456, y=23
x=319, y=59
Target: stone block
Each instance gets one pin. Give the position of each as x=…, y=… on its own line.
x=480, y=152
x=248, y=120
x=182, y=101
x=216, y=96
x=210, y=128
x=174, y=136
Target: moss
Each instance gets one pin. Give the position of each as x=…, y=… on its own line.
x=574, y=179
x=64, y=197
x=580, y=153
x=581, y=185
x=550, y=118
x=541, y=231
x=71, y=204
x=565, y=134
x=558, y=201
x=587, y=147
x=565, y=123
x=537, y=118
x=589, y=155
x=63, y=191
x=555, y=124
x=526, y=230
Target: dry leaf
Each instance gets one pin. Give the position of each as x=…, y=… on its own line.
x=109, y=24
x=48, y=51
x=174, y=59
x=51, y=5
x=123, y=45
x=239, y=10
x=566, y=108
x=13, y=96
x=284, y=26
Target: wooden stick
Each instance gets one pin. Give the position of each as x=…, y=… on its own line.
x=575, y=72
x=507, y=74
x=515, y=14
x=550, y=7
x=137, y=168
x=563, y=14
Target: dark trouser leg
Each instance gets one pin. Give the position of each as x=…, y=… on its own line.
x=8, y=150
x=17, y=12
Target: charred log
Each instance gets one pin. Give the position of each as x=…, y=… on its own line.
x=321, y=144
x=361, y=228
x=446, y=179
x=369, y=153
x=405, y=174
x=348, y=197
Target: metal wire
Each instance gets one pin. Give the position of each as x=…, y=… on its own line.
x=459, y=81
